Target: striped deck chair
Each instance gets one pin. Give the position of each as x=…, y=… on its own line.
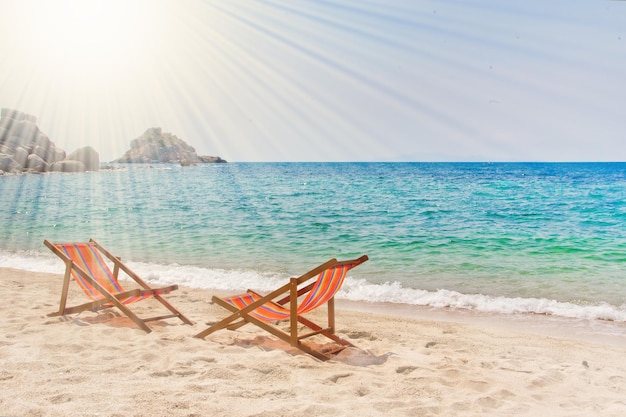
x=265, y=311
x=84, y=262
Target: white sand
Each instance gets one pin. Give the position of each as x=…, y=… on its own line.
x=103, y=365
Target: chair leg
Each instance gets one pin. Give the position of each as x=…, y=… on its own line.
x=66, y=285
x=171, y=308
x=222, y=324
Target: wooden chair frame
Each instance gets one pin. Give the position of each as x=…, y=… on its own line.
x=108, y=299
x=241, y=317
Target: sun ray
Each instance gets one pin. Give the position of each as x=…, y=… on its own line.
x=310, y=80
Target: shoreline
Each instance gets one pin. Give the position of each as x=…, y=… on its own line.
x=399, y=298
x=585, y=330
x=589, y=330
x=594, y=331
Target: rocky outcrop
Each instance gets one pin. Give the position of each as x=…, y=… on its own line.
x=25, y=148
x=68, y=166
x=156, y=146
x=205, y=159
x=87, y=156
x=20, y=138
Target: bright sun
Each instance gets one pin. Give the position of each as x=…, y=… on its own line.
x=86, y=41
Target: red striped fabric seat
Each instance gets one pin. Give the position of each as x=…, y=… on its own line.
x=324, y=288
x=87, y=257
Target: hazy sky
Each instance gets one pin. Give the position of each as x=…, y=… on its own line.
x=334, y=80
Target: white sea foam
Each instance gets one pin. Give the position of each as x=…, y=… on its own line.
x=353, y=289
x=360, y=290
x=31, y=261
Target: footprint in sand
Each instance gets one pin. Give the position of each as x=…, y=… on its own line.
x=150, y=356
x=336, y=378
x=405, y=370
x=223, y=373
x=489, y=402
x=61, y=398
x=361, y=335
x=480, y=386
x=186, y=372
x=209, y=359
x=505, y=394
x=5, y=376
x=161, y=374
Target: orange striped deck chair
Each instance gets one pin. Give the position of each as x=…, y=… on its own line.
x=84, y=262
x=266, y=311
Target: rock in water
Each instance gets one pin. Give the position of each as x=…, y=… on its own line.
x=156, y=146
x=88, y=156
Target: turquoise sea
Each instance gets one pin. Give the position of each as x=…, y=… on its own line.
x=508, y=238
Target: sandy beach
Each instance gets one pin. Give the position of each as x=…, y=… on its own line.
x=103, y=365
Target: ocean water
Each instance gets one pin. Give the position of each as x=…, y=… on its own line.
x=508, y=238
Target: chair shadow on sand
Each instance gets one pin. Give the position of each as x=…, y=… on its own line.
x=110, y=318
x=349, y=356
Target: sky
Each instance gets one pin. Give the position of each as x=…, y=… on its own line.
x=327, y=80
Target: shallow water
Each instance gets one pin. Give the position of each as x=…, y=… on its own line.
x=507, y=238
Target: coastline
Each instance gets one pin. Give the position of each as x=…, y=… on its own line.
x=593, y=331
x=433, y=364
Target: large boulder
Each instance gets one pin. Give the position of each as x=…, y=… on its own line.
x=49, y=154
x=43, y=140
x=25, y=130
x=21, y=156
x=8, y=164
x=35, y=164
x=88, y=156
x=68, y=166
